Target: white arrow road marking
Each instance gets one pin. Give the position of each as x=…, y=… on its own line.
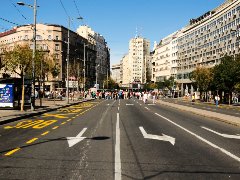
x=223, y=135
x=74, y=140
x=202, y=139
x=161, y=138
x=129, y=104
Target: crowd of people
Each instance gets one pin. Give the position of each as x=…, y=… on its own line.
x=121, y=94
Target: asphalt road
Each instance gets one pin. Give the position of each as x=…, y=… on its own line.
x=123, y=139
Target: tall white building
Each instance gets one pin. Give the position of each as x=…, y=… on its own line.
x=139, y=53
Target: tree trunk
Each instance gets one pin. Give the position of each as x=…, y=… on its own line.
x=230, y=98
x=23, y=92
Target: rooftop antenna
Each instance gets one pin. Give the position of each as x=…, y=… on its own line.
x=136, y=33
x=140, y=32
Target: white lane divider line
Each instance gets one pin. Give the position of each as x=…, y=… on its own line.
x=223, y=135
x=202, y=139
x=118, y=173
x=147, y=108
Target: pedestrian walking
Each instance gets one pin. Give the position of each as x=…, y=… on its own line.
x=217, y=99
x=153, y=97
x=145, y=96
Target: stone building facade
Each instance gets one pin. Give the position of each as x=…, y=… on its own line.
x=53, y=39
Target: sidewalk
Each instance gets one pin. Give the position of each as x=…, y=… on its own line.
x=10, y=115
x=212, y=103
x=218, y=116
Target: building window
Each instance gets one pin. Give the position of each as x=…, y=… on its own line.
x=45, y=47
x=49, y=37
x=57, y=56
x=57, y=47
x=38, y=37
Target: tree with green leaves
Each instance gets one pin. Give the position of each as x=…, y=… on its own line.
x=202, y=78
x=150, y=85
x=227, y=74
x=167, y=83
x=19, y=61
x=110, y=83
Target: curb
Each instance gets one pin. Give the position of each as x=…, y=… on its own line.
x=192, y=110
x=39, y=113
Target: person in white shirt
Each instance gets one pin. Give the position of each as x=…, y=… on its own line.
x=145, y=96
x=153, y=97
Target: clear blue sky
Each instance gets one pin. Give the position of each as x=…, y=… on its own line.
x=116, y=20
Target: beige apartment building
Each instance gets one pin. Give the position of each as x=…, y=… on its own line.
x=125, y=71
x=164, y=58
x=139, y=53
x=53, y=39
x=103, y=52
x=206, y=39
x=136, y=66
x=116, y=73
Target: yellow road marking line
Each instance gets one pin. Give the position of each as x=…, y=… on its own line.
x=32, y=140
x=63, y=123
x=8, y=127
x=12, y=151
x=55, y=127
x=45, y=133
x=69, y=119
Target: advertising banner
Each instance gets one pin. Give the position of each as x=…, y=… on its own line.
x=6, y=95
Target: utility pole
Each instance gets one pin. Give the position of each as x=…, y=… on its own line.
x=34, y=7
x=107, y=76
x=67, y=94
x=84, y=68
x=33, y=56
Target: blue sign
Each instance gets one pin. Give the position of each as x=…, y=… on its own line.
x=6, y=95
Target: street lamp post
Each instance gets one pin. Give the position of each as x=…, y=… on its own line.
x=34, y=49
x=68, y=49
x=96, y=74
x=84, y=69
x=84, y=63
x=107, y=76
